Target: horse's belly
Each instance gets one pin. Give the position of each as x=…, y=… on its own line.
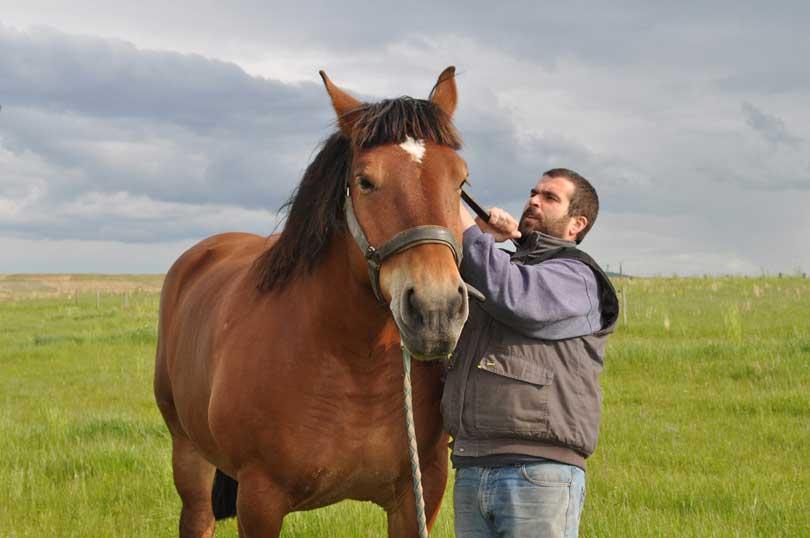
x=361, y=480
x=321, y=462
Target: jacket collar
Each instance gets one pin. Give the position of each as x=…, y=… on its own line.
x=537, y=243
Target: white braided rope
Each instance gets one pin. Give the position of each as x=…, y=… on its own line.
x=416, y=473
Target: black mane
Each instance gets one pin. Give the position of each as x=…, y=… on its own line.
x=315, y=209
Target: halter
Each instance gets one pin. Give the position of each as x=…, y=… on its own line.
x=375, y=256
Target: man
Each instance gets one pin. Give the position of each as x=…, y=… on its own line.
x=522, y=398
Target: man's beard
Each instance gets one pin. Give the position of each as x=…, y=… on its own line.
x=554, y=228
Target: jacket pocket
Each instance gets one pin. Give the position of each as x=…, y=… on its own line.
x=510, y=396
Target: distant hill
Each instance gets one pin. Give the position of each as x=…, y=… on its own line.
x=23, y=286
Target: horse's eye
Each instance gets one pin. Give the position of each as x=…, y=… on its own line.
x=365, y=184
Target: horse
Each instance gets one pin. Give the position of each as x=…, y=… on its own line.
x=278, y=363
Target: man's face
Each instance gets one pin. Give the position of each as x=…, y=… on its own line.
x=547, y=208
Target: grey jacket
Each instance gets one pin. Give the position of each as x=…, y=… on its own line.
x=523, y=379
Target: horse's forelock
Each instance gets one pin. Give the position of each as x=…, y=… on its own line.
x=315, y=209
x=392, y=121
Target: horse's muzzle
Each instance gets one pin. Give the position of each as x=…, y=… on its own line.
x=430, y=320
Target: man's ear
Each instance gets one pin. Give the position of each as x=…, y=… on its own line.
x=578, y=223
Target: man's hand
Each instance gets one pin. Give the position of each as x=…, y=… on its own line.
x=501, y=224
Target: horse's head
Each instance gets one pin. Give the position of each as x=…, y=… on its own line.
x=404, y=183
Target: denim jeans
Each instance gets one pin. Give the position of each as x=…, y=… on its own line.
x=536, y=499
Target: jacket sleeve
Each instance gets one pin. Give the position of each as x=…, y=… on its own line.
x=528, y=298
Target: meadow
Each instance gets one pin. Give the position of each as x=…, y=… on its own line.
x=706, y=423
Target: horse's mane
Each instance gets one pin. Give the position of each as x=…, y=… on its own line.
x=315, y=208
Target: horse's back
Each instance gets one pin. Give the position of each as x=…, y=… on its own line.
x=230, y=248
x=200, y=269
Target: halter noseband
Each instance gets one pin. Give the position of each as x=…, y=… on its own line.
x=375, y=256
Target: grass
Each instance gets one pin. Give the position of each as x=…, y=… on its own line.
x=706, y=424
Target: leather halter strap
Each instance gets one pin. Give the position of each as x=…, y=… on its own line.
x=418, y=235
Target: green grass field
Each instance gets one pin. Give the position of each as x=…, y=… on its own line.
x=706, y=425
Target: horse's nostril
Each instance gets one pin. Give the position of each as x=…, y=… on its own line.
x=457, y=304
x=412, y=307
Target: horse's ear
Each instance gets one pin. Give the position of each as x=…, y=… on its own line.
x=342, y=102
x=444, y=94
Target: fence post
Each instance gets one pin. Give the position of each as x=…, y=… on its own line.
x=98, y=299
x=624, y=307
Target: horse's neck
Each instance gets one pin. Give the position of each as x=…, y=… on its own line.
x=347, y=307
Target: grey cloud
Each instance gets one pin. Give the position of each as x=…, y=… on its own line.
x=83, y=256
x=779, y=79
x=133, y=219
x=111, y=78
x=725, y=34
x=505, y=166
x=169, y=128
x=105, y=116
x=160, y=160
x=772, y=128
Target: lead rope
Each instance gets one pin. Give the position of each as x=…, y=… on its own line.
x=416, y=473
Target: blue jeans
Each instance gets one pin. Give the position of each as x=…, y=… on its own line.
x=537, y=499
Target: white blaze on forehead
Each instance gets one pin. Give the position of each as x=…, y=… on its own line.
x=415, y=148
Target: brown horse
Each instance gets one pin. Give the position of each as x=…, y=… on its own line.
x=278, y=366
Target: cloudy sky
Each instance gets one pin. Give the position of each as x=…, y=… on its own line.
x=128, y=131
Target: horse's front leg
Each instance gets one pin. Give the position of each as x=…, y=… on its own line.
x=434, y=482
x=402, y=522
x=193, y=477
x=402, y=513
x=402, y=519
x=260, y=506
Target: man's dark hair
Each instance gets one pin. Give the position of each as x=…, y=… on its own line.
x=584, y=200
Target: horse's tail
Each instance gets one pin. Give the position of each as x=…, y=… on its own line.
x=223, y=496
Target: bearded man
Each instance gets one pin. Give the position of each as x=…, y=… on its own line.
x=522, y=397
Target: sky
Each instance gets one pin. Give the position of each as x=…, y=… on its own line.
x=129, y=131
